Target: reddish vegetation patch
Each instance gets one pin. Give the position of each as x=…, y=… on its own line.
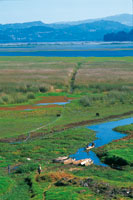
x=26, y=107
x=54, y=99
x=55, y=176
x=51, y=99
x=16, y=108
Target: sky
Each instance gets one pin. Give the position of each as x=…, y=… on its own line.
x=49, y=11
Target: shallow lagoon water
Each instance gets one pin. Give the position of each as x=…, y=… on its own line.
x=57, y=103
x=68, y=49
x=45, y=104
x=80, y=53
x=105, y=134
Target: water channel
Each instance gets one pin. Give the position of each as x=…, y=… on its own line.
x=104, y=134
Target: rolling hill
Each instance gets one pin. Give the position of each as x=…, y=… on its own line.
x=122, y=18
x=40, y=32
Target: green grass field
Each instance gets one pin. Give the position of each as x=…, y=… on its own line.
x=97, y=85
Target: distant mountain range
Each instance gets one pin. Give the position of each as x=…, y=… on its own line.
x=40, y=32
x=122, y=18
x=21, y=25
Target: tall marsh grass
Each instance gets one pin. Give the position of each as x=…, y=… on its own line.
x=109, y=98
x=16, y=98
x=20, y=94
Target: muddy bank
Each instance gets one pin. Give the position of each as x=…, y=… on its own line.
x=68, y=126
x=24, y=108
x=54, y=99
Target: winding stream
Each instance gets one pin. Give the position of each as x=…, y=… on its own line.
x=104, y=134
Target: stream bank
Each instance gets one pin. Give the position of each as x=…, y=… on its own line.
x=105, y=135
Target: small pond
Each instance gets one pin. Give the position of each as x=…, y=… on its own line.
x=46, y=104
x=56, y=103
x=104, y=134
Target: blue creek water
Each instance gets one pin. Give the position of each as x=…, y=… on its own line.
x=57, y=103
x=79, y=53
x=104, y=134
x=45, y=104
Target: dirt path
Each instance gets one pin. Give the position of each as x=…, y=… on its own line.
x=67, y=126
x=72, y=82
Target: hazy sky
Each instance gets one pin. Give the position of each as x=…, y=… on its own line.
x=50, y=11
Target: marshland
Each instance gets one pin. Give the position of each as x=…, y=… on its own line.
x=33, y=134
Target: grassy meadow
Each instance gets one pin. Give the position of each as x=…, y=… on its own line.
x=21, y=78
x=95, y=85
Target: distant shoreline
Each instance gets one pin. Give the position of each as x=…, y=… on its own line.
x=68, y=49
x=69, y=53
x=65, y=43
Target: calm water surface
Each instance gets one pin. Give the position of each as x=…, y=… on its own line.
x=105, y=134
x=93, y=53
x=57, y=103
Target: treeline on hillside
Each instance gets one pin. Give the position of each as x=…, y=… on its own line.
x=120, y=36
x=31, y=32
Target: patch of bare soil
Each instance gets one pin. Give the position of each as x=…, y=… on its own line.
x=54, y=99
x=59, y=175
x=28, y=107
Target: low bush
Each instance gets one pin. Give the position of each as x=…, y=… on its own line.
x=27, y=168
x=43, y=89
x=1, y=101
x=32, y=88
x=105, y=87
x=19, y=98
x=30, y=95
x=5, y=98
x=22, y=89
x=122, y=97
x=115, y=160
x=85, y=101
